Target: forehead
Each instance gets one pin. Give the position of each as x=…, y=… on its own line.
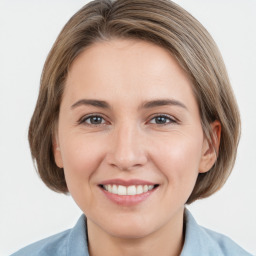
x=137, y=68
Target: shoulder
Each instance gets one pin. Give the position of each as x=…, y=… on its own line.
x=226, y=245
x=203, y=241
x=54, y=244
x=72, y=240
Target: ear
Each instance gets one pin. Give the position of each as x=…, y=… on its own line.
x=210, y=149
x=57, y=152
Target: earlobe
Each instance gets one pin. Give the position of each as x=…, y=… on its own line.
x=210, y=148
x=57, y=152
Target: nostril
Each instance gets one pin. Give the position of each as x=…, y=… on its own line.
x=126, y=163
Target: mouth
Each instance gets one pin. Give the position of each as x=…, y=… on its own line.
x=131, y=190
x=128, y=192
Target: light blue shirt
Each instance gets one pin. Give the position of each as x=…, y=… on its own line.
x=73, y=242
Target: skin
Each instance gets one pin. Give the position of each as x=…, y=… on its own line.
x=129, y=143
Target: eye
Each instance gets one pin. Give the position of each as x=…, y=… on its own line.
x=93, y=120
x=162, y=120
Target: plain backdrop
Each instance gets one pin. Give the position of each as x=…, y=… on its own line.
x=28, y=210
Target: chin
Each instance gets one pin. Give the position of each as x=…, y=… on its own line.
x=130, y=228
x=131, y=232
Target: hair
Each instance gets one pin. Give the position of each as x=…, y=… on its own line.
x=167, y=25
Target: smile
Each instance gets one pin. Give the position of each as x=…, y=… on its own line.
x=127, y=190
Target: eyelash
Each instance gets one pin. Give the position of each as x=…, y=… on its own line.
x=88, y=117
x=171, y=120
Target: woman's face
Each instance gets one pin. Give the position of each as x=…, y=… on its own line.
x=130, y=138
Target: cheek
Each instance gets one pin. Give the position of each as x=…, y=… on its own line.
x=81, y=158
x=178, y=159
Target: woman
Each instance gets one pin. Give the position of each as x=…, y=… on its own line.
x=135, y=118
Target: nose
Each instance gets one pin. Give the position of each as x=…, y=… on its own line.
x=127, y=150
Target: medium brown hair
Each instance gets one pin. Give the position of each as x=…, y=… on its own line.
x=163, y=23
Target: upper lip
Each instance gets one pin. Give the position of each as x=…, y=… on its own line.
x=126, y=182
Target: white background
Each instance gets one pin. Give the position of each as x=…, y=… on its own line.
x=28, y=210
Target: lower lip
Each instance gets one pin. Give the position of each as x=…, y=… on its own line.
x=128, y=200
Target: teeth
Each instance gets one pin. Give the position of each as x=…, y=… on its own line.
x=139, y=190
x=130, y=190
x=121, y=190
x=150, y=187
x=114, y=189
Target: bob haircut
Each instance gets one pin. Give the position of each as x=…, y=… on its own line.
x=167, y=25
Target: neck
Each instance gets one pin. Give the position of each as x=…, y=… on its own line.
x=167, y=240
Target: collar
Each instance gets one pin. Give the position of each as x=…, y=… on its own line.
x=198, y=240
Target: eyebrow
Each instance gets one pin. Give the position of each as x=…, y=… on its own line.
x=163, y=102
x=91, y=102
x=145, y=105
